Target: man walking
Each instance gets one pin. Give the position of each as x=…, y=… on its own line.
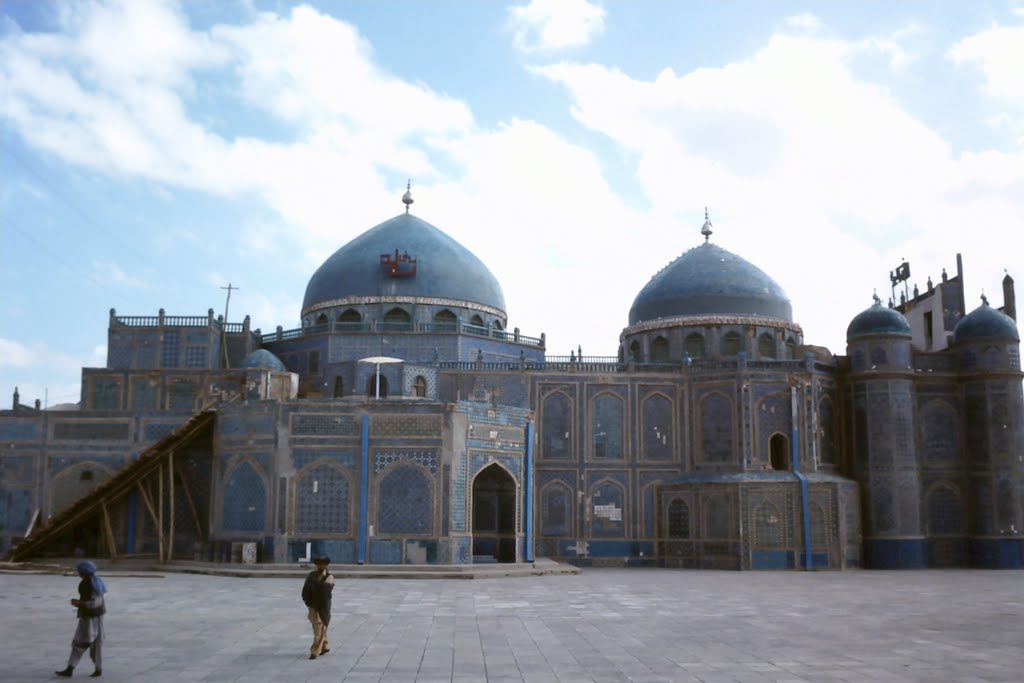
x=316, y=593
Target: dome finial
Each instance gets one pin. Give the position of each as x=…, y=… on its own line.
x=706, y=230
x=407, y=197
x=984, y=299
x=878, y=301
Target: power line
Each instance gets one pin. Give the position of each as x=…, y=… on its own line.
x=52, y=254
x=52, y=188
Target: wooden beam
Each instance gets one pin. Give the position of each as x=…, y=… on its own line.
x=149, y=503
x=109, y=532
x=170, y=522
x=192, y=507
x=160, y=510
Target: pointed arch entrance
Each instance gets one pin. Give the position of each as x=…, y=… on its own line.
x=494, y=515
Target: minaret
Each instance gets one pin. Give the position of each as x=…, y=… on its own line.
x=1009, y=298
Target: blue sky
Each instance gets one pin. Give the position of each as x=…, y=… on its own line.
x=153, y=152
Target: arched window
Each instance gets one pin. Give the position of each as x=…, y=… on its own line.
x=678, y=519
x=556, y=429
x=659, y=350
x=993, y=358
x=766, y=346
x=732, y=344
x=445, y=321
x=350, y=316
x=779, y=447
x=419, y=387
x=556, y=510
x=339, y=387
x=657, y=426
x=607, y=427
x=321, y=319
x=497, y=325
x=476, y=320
x=878, y=356
x=635, y=354
x=397, y=315
x=245, y=500
x=695, y=345
x=609, y=512
x=790, y=348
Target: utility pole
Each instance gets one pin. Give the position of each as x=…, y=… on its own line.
x=224, y=325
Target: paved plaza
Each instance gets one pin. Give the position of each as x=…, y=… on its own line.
x=643, y=625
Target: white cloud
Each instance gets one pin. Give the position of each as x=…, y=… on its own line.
x=818, y=177
x=804, y=21
x=555, y=24
x=999, y=54
x=17, y=355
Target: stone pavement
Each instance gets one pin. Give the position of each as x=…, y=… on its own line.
x=643, y=625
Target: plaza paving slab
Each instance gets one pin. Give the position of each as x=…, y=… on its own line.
x=640, y=625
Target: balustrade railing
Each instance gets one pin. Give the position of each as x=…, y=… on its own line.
x=400, y=327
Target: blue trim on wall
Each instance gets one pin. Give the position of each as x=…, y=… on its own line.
x=895, y=553
x=364, y=485
x=528, y=495
x=997, y=553
x=805, y=502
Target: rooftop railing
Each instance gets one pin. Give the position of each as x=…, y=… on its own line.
x=392, y=327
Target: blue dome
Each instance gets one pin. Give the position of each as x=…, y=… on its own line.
x=444, y=268
x=985, y=322
x=261, y=358
x=709, y=280
x=878, y=319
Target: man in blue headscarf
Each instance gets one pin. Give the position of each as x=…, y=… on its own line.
x=91, y=608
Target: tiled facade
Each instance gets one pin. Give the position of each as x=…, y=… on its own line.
x=711, y=441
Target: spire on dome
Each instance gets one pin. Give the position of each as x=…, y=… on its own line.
x=707, y=229
x=407, y=197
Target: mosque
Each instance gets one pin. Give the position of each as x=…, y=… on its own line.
x=406, y=422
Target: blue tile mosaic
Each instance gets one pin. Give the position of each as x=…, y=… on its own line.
x=245, y=500
x=385, y=552
x=322, y=501
x=405, y=501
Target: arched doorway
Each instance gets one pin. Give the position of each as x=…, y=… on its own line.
x=778, y=447
x=494, y=516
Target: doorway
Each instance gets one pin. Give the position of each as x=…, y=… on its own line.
x=494, y=516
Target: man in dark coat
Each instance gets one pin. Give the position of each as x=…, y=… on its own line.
x=316, y=593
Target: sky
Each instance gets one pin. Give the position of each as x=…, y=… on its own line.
x=154, y=152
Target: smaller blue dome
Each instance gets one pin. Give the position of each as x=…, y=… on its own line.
x=985, y=322
x=878, y=319
x=261, y=358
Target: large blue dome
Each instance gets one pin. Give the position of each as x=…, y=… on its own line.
x=709, y=280
x=878, y=319
x=444, y=268
x=985, y=322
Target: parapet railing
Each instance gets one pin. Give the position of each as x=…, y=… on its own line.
x=391, y=327
x=611, y=364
